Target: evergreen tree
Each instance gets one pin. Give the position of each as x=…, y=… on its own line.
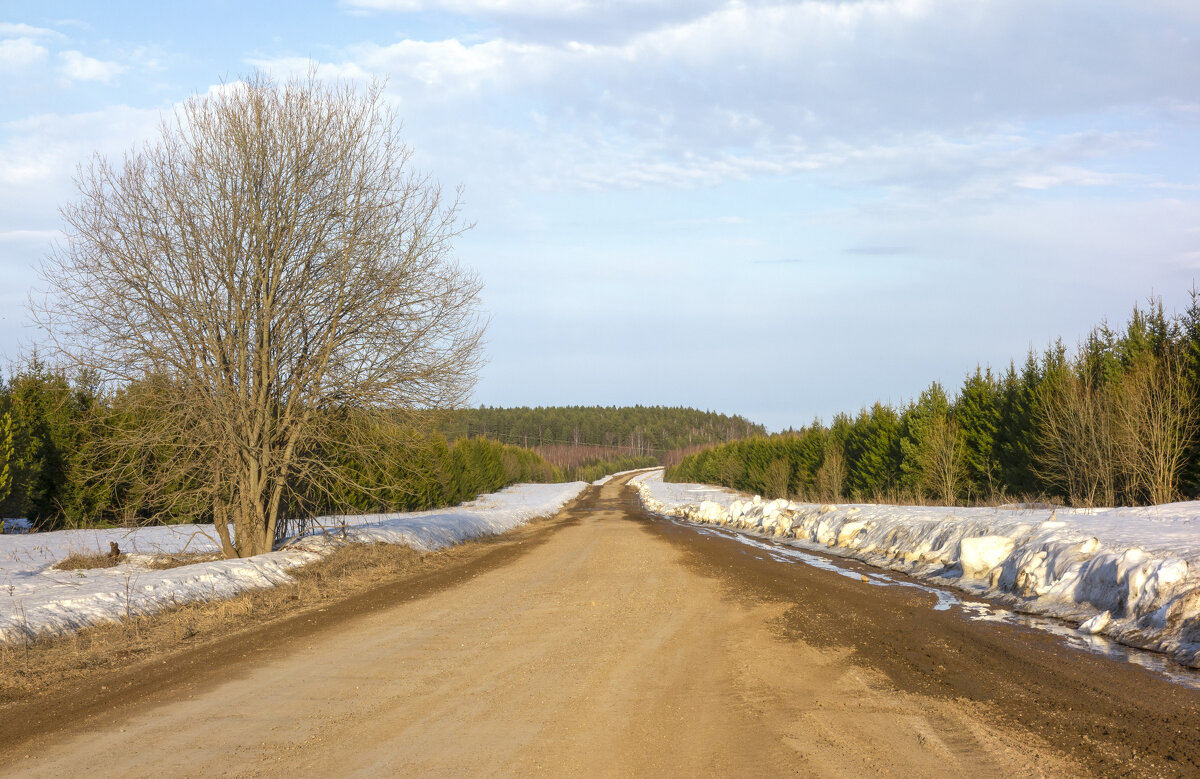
x=977, y=411
x=1099, y=356
x=873, y=451
x=6, y=455
x=1106, y=422
x=41, y=413
x=1188, y=333
x=919, y=423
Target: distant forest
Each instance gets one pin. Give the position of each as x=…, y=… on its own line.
x=570, y=435
x=1115, y=421
x=57, y=468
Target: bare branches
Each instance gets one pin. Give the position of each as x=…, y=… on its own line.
x=1156, y=422
x=1130, y=436
x=269, y=259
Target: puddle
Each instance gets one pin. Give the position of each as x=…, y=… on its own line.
x=971, y=609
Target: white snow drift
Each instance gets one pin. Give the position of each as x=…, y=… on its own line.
x=1132, y=574
x=36, y=599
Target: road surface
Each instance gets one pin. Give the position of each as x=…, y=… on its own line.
x=606, y=643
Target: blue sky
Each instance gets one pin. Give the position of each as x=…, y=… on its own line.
x=776, y=209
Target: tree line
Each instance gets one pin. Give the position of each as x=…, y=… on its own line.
x=1114, y=421
x=60, y=468
x=633, y=431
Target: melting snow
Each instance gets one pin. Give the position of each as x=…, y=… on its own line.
x=1131, y=574
x=36, y=599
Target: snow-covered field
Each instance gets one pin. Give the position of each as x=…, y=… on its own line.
x=1131, y=574
x=36, y=599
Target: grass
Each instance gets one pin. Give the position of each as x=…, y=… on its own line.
x=83, y=562
x=165, y=561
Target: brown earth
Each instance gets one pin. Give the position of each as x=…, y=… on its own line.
x=608, y=643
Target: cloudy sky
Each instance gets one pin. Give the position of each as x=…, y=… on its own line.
x=776, y=209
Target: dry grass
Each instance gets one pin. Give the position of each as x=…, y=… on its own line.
x=51, y=663
x=83, y=562
x=164, y=561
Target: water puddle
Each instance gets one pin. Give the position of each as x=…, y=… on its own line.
x=971, y=609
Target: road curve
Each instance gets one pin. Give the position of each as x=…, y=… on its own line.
x=612, y=644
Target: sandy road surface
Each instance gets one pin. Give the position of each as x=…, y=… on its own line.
x=613, y=646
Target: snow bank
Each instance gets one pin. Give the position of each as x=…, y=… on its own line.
x=36, y=599
x=1132, y=574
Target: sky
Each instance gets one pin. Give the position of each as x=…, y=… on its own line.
x=781, y=210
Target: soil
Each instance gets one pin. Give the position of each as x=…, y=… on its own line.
x=606, y=642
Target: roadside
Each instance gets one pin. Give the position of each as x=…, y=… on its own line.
x=38, y=597
x=1109, y=718
x=59, y=683
x=1118, y=573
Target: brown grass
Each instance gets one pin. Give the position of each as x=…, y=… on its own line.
x=164, y=561
x=52, y=663
x=83, y=562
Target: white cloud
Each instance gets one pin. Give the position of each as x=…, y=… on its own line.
x=283, y=67
x=1063, y=176
x=38, y=155
x=80, y=67
x=743, y=73
x=26, y=30
x=20, y=52
x=29, y=236
x=608, y=21
x=480, y=7
x=897, y=94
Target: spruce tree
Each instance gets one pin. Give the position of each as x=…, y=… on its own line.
x=1017, y=436
x=1188, y=333
x=873, y=451
x=918, y=425
x=978, y=413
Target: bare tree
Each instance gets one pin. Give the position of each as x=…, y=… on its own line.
x=267, y=273
x=776, y=477
x=1077, y=444
x=831, y=476
x=943, y=459
x=1156, y=421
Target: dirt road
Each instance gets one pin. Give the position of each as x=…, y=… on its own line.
x=605, y=643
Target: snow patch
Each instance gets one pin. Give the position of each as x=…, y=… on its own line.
x=606, y=479
x=13, y=525
x=36, y=599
